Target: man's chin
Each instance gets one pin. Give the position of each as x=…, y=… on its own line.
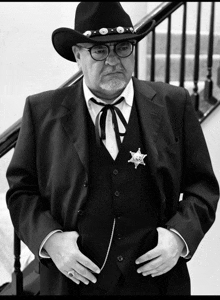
x=113, y=85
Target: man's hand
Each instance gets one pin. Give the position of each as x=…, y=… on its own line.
x=63, y=249
x=164, y=256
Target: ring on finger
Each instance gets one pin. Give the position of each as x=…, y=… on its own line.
x=71, y=273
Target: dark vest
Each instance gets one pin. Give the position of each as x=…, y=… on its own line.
x=118, y=191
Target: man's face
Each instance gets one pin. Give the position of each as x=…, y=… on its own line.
x=106, y=78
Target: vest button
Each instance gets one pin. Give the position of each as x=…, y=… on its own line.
x=85, y=183
x=80, y=212
x=119, y=236
x=117, y=193
x=120, y=258
x=115, y=172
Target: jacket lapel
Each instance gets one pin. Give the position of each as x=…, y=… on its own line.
x=150, y=113
x=74, y=121
x=150, y=119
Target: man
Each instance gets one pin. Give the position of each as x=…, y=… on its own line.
x=99, y=167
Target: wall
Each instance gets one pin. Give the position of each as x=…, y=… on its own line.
x=205, y=265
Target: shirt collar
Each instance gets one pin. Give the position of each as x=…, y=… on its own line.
x=128, y=93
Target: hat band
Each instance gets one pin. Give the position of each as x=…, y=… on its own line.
x=105, y=31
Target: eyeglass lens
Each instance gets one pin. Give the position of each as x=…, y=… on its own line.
x=101, y=52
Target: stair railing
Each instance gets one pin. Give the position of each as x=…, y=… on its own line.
x=204, y=101
x=195, y=95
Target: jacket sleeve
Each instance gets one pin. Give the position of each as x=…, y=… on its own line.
x=196, y=211
x=30, y=215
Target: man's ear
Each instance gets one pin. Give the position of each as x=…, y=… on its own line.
x=76, y=53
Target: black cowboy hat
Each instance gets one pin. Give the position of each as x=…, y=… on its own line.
x=96, y=22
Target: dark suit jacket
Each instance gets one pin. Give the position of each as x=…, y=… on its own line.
x=48, y=174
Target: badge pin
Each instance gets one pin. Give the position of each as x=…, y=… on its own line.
x=137, y=158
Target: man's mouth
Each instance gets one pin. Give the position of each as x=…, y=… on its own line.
x=113, y=73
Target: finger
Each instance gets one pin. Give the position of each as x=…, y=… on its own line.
x=163, y=271
x=87, y=263
x=74, y=274
x=71, y=277
x=155, y=270
x=86, y=273
x=152, y=265
x=154, y=253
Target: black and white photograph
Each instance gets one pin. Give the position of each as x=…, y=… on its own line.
x=109, y=149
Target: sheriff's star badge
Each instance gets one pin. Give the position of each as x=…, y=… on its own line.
x=137, y=158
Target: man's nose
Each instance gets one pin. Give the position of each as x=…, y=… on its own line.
x=113, y=58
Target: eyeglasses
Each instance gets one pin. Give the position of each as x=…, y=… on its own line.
x=101, y=52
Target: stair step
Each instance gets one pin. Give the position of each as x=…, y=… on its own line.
x=176, y=46
x=189, y=85
x=160, y=62
x=204, y=106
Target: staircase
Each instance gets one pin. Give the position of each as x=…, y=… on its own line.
x=175, y=50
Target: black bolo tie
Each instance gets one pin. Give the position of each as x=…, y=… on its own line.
x=103, y=113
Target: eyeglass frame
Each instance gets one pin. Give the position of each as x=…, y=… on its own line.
x=133, y=43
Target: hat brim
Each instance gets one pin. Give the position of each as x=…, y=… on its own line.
x=64, y=38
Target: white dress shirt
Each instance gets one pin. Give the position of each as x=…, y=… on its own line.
x=125, y=107
x=110, y=142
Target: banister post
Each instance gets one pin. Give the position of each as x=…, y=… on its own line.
x=17, y=275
